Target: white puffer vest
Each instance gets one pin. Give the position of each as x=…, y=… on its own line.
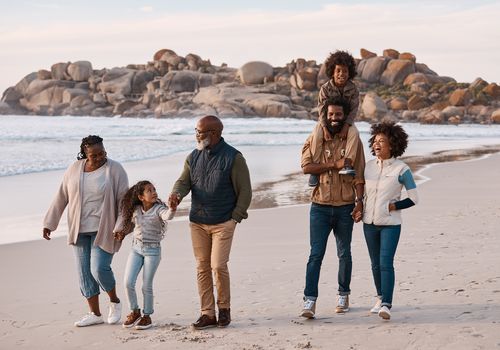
x=381, y=188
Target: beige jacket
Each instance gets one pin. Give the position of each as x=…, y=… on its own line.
x=70, y=195
x=334, y=189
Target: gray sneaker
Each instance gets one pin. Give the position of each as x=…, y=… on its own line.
x=342, y=304
x=309, y=308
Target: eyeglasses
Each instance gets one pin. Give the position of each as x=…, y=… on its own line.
x=200, y=133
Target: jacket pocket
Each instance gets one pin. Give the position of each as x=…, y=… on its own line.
x=347, y=188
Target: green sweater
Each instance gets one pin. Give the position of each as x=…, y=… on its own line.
x=240, y=178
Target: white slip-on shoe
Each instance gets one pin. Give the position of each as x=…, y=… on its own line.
x=89, y=319
x=115, y=313
x=376, y=308
x=385, y=313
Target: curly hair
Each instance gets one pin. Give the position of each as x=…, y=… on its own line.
x=398, y=138
x=340, y=58
x=90, y=140
x=338, y=101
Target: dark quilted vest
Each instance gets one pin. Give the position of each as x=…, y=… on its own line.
x=212, y=194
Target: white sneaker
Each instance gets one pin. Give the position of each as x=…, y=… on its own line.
x=376, y=308
x=115, y=313
x=385, y=313
x=309, y=308
x=89, y=319
x=342, y=304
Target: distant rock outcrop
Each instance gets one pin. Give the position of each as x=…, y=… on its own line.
x=392, y=86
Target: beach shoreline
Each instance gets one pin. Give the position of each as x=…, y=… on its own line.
x=447, y=292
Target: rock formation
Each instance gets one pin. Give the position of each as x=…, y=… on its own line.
x=392, y=86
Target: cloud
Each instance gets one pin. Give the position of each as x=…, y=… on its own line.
x=147, y=9
x=458, y=42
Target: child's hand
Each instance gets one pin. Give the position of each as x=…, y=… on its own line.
x=173, y=200
x=119, y=236
x=343, y=132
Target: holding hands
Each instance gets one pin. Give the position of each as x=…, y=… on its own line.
x=173, y=201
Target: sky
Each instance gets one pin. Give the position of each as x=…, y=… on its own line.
x=455, y=38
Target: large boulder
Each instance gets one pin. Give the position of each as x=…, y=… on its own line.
x=43, y=74
x=59, y=71
x=365, y=54
x=117, y=81
x=373, y=107
x=423, y=78
x=460, y=97
x=43, y=100
x=422, y=68
x=407, y=56
x=80, y=70
x=180, y=81
x=140, y=81
x=418, y=102
x=36, y=86
x=266, y=107
x=24, y=83
x=495, y=116
x=478, y=84
x=5, y=108
x=123, y=106
x=11, y=96
x=396, y=71
x=373, y=69
x=70, y=94
x=171, y=58
x=492, y=90
x=255, y=72
x=306, y=78
x=322, y=77
x=398, y=104
x=431, y=117
x=159, y=54
x=391, y=53
x=452, y=111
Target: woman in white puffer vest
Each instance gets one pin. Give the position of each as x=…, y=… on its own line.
x=385, y=178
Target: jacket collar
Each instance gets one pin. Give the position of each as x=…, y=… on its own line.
x=216, y=148
x=347, y=87
x=386, y=162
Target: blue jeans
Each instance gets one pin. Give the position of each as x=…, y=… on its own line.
x=94, y=266
x=142, y=255
x=322, y=220
x=382, y=242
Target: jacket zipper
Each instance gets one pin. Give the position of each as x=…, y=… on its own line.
x=376, y=190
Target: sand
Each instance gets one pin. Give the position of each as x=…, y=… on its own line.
x=447, y=293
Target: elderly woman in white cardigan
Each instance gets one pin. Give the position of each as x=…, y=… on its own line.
x=92, y=188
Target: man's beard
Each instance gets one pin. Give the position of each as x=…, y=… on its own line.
x=334, y=129
x=202, y=144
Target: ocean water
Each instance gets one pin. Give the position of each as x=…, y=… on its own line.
x=35, y=144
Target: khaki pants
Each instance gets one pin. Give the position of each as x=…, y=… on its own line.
x=211, y=247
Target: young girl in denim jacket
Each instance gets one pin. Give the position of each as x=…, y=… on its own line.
x=145, y=216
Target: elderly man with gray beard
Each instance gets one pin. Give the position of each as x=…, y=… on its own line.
x=218, y=178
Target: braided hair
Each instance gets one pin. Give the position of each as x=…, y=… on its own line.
x=90, y=140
